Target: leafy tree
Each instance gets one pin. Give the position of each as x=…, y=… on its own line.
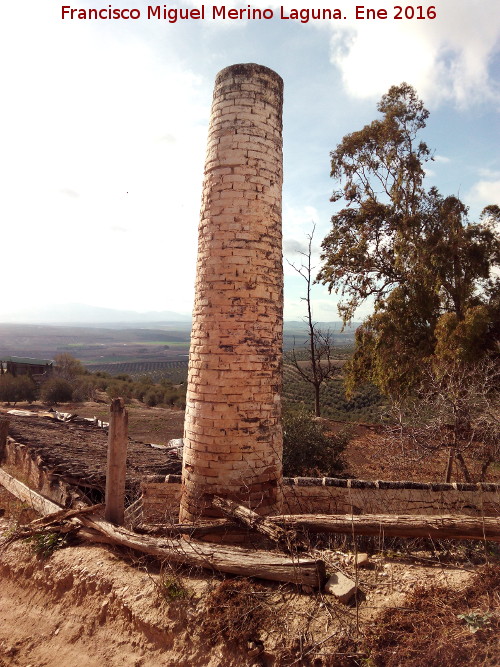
x=307, y=447
x=16, y=389
x=320, y=366
x=56, y=390
x=427, y=268
x=67, y=366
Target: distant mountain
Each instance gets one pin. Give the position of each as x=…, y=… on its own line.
x=78, y=313
x=334, y=327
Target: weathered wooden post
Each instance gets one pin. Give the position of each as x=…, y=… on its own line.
x=4, y=432
x=117, y=462
x=232, y=431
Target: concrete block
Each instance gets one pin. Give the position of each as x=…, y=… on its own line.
x=341, y=586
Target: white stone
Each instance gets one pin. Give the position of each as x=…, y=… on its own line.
x=363, y=560
x=341, y=586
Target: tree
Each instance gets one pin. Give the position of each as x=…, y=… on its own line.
x=456, y=407
x=414, y=252
x=16, y=389
x=67, y=366
x=319, y=365
x=56, y=390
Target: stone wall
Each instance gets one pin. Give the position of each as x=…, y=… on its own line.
x=25, y=465
x=304, y=495
x=232, y=434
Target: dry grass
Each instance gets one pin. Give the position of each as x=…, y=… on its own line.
x=441, y=627
x=236, y=611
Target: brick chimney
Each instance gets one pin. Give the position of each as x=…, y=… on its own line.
x=232, y=432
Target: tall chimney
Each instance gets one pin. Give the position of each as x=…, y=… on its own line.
x=232, y=432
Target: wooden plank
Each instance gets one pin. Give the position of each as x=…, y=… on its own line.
x=254, y=521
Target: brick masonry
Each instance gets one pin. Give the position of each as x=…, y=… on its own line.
x=304, y=495
x=232, y=432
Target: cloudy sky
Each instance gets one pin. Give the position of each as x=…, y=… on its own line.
x=104, y=127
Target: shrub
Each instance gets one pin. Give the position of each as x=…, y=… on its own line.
x=307, y=447
x=85, y=390
x=153, y=397
x=119, y=388
x=45, y=544
x=15, y=389
x=56, y=390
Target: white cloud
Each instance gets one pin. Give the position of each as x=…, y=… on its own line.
x=446, y=58
x=109, y=137
x=489, y=174
x=485, y=192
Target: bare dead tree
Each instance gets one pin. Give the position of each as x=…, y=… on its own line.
x=320, y=365
x=457, y=407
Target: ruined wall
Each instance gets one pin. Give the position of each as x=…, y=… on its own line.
x=356, y=496
x=232, y=434
x=23, y=463
x=304, y=495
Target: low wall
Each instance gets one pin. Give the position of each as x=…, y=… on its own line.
x=308, y=495
x=354, y=496
x=301, y=495
x=21, y=462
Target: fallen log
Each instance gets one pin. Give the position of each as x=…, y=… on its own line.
x=221, y=558
x=254, y=521
x=442, y=527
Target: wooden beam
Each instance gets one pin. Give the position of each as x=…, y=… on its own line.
x=254, y=521
x=117, y=462
x=455, y=527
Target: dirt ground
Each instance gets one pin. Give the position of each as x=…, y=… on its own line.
x=94, y=606
x=98, y=607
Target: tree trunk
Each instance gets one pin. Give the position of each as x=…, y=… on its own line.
x=449, y=464
x=317, y=404
x=404, y=525
x=465, y=470
x=4, y=432
x=254, y=521
x=222, y=558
